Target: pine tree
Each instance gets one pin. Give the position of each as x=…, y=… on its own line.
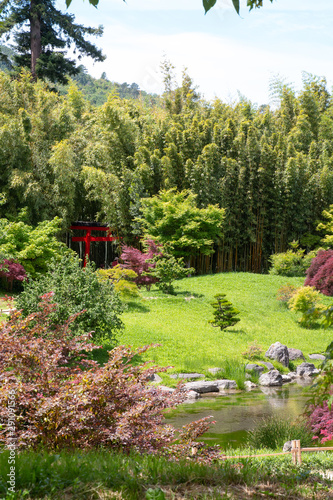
x=225, y=314
x=42, y=34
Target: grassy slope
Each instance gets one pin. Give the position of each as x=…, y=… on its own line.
x=189, y=342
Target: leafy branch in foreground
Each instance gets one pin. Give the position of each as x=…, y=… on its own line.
x=63, y=400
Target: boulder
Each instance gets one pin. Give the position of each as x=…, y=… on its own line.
x=254, y=367
x=166, y=389
x=279, y=352
x=317, y=356
x=271, y=378
x=226, y=384
x=202, y=386
x=295, y=354
x=191, y=395
x=268, y=365
x=306, y=370
x=292, y=375
x=287, y=446
x=286, y=379
x=155, y=378
x=249, y=385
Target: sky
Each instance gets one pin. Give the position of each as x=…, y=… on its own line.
x=225, y=54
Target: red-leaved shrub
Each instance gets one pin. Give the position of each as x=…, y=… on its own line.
x=137, y=261
x=320, y=272
x=12, y=271
x=58, y=398
x=321, y=421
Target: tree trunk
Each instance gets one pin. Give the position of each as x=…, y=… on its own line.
x=35, y=36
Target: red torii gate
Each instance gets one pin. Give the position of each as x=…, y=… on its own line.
x=87, y=238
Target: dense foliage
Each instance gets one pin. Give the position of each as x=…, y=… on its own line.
x=273, y=432
x=306, y=300
x=75, y=289
x=41, y=34
x=166, y=269
x=33, y=247
x=291, y=263
x=64, y=400
x=122, y=279
x=11, y=271
x=270, y=170
x=320, y=273
x=140, y=262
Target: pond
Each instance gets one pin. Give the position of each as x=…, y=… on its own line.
x=239, y=412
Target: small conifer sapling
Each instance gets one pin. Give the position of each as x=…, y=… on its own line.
x=225, y=314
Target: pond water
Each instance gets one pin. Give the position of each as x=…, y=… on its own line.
x=236, y=413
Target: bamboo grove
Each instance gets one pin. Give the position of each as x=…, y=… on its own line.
x=271, y=169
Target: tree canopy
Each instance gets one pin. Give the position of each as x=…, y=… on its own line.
x=207, y=4
x=42, y=34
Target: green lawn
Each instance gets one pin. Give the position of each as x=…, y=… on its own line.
x=190, y=343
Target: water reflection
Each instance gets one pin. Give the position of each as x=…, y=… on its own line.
x=236, y=414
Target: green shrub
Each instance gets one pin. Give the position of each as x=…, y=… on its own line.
x=273, y=432
x=76, y=289
x=253, y=352
x=122, y=280
x=306, y=300
x=285, y=293
x=291, y=263
x=33, y=247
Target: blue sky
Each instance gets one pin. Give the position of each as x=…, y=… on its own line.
x=223, y=52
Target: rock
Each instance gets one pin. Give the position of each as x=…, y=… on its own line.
x=254, y=367
x=268, y=365
x=317, y=356
x=166, y=389
x=155, y=378
x=287, y=446
x=249, y=385
x=226, y=384
x=202, y=386
x=190, y=395
x=295, y=354
x=271, y=378
x=286, y=379
x=279, y=352
x=187, y=375
x=292, y=375
x=306, y=370
x=214, y=371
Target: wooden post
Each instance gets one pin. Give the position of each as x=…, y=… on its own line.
x=294, y=451
x=299, y=453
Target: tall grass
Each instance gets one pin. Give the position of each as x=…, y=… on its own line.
x=233, y=369
x=273, y=432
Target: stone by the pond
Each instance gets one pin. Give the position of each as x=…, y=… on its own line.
x=292, y=375
x=295, y=354
x=306, y=370
x=186, y=375
x=268, y=365
x=317, y=356
x=214, y=371
x=279, y=352
x=286, y=379
x=287, y=446
x=271, y=378
x=254, y=367
x=190, y=395
x=226, y=384
x=202, y=386
x=249, y=385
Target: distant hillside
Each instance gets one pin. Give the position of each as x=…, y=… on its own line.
x=97, y=90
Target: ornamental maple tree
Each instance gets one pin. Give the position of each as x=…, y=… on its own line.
x=12, y=271
x=140, y=262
